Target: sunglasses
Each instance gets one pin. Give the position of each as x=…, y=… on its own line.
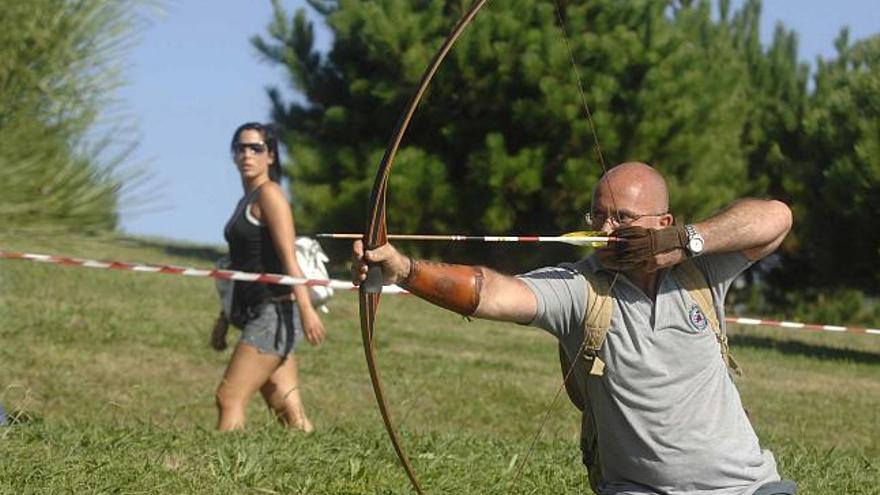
x=256, y=148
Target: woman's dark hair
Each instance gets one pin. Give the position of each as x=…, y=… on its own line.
x=270, y=137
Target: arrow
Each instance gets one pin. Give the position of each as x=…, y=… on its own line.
x=579, y=238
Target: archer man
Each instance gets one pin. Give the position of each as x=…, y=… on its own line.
x=643, y=351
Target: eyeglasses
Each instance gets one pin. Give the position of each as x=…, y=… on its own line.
x=620, y=219
x=256, y=148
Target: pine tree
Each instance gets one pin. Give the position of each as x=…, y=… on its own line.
x=501, y=143
x=841, y=190
x=58, y=66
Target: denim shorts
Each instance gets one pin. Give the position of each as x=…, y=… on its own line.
x=276, y=329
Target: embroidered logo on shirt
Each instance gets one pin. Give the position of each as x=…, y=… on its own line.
x=697, y=318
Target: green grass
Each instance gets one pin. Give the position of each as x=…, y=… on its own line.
x=112, y=382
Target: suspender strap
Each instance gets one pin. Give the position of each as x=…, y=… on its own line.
x=694, y=282
x=571, y=380
x=597, y=320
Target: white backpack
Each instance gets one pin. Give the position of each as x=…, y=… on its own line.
x=312, y=260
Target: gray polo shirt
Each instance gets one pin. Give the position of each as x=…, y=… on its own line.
x=668, y=415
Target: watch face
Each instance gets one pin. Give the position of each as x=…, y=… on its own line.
x=695, y=245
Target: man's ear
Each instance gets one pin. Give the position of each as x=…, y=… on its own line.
x=667, y=219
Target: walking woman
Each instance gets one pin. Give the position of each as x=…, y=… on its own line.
x=273, y=318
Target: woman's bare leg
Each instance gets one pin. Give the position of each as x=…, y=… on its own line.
x=282, y=396
x=247, y=371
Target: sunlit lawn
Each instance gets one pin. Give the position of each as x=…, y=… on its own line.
x=110, y=382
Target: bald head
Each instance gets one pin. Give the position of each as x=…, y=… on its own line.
x=632, y=193
x=634, y=185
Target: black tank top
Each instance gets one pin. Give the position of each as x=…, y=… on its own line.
x=251, y=250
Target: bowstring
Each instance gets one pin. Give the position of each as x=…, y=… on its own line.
x=598, y=147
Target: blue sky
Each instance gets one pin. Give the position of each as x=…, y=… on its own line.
x=193, y=77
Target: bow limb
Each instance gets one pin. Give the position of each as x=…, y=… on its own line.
x=376, y=235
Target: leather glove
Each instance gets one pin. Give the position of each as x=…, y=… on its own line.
x=607, y=257
x=637, y=245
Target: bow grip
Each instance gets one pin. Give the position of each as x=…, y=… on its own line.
x=374, y=281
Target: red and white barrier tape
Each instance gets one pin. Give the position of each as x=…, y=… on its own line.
x=271, y=278
x=801, y=326
x=268, y=278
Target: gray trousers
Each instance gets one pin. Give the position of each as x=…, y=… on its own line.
x=784, y=487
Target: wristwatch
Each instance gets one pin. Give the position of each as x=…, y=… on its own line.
x=695, y=242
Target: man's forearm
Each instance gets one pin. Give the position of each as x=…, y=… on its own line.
x=454, y=287
x=753, y=226
x=472, y=291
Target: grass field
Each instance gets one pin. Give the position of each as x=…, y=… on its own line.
x=110, y=382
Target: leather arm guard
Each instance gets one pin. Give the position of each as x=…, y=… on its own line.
x=454, y=287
